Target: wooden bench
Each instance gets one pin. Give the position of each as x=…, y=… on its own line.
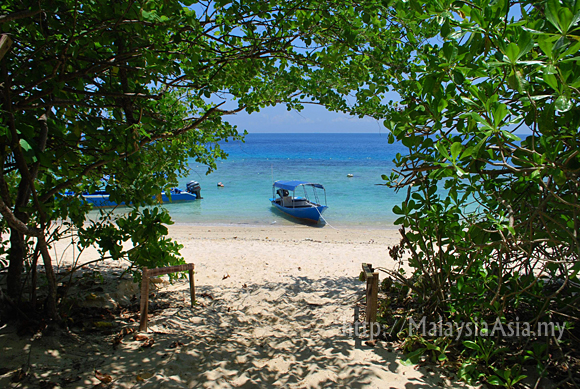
x=147, y=273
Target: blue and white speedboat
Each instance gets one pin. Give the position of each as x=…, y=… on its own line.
x=300, y=207
x=193, y=192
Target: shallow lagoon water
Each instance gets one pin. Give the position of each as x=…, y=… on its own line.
x=251, y=167
x=248, y=172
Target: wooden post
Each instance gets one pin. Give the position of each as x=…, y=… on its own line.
x=5, y=44
x=157, y=272
x=144, y=300
x=192, y=286
x=372, y=295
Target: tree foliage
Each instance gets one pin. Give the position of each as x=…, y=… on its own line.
x=489, y=114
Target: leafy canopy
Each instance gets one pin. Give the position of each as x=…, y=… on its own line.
x=489, y=114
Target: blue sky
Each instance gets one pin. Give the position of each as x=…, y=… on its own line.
x=311, y=119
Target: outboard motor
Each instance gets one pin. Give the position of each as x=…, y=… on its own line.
x=195, y=188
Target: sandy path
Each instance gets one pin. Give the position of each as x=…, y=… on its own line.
x=273, y=306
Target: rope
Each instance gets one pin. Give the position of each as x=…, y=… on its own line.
x=322, y=217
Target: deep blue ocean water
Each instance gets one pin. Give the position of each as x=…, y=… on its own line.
x=248, y=172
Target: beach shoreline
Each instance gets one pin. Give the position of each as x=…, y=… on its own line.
x=290, y=225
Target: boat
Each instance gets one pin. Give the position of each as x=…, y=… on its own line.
x=299, y=207
x=100, y=199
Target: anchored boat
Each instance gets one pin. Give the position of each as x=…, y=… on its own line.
x=193, y=192
x=301, y=207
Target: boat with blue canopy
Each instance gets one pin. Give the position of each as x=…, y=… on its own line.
x=307, y=205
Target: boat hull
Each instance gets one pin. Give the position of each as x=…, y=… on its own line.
x=312, y=214
x=102, y=200
x=178, y=197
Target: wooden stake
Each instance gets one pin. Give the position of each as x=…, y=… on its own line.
x=372, y=297
x=144, y=300
x=192, y=286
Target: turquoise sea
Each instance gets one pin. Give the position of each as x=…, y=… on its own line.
x=248, y=172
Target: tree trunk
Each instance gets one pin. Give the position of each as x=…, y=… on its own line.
x=18, y=252
x=51, y=300
x=16, y=255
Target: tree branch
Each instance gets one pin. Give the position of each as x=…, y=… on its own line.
x=18, y=15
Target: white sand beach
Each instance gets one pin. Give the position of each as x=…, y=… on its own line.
x=273, y=303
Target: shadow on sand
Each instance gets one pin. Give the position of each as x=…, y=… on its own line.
x=277, y=334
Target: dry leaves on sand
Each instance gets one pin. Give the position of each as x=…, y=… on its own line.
x=204, y=294
x=147, y=341
x=144, y=376
x=140, y=337
x=371, y=343
x=121, y=335
x=47, y=385
x=104, y=378
x=18, y=375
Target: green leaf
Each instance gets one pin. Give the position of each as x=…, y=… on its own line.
x=573, y=49
x=366, y=18
x=551, y=9
x=512, y=51
x=445, y=28
x=428, y=85
x=525, y=44
x=521, y=82
x=458, y=77
x=467, y=152
x=563, y=104
x=472, y=345
x=575, y=20
x=547, y=45
x=25, y=145
x=565, y=16
x=499, y=113
x=468, y=101
x=413, y=357
x=552, y=81
x=478, y=118
x=456, y=149
x=442, y=150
